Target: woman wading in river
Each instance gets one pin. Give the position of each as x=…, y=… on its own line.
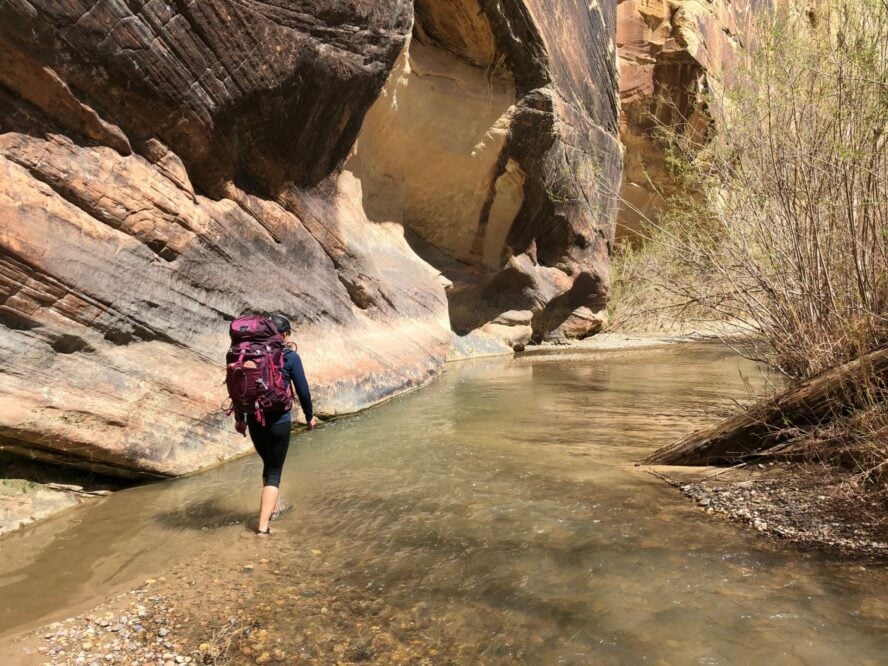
x=271, y=438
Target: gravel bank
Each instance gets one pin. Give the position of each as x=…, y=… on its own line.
x=808, y=505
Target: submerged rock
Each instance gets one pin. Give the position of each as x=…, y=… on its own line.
x=377, y=171
x=25, y=500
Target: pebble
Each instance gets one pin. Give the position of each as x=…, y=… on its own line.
x=246, y=623
x=790, y=510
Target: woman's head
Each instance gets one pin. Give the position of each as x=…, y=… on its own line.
x=281, y=323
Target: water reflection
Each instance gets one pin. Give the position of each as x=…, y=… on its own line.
x=501, y=501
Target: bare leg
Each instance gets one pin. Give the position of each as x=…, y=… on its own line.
x=267, y=505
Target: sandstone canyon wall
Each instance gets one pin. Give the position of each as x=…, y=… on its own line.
x=672, y=55
x=394, y=176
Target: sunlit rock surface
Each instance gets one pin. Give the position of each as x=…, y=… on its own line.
x=672, y=54
x=388, y=175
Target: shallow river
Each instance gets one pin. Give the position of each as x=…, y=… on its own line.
x=503, y=498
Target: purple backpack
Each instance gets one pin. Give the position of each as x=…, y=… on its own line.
x=254, y=368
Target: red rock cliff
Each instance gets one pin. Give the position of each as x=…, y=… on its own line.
x=672, y=55
x=381, y=172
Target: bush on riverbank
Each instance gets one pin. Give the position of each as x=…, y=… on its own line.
x=782, y=229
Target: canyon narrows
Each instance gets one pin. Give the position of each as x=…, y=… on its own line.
x=398, y=179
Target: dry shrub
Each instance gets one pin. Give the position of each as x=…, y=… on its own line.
x=797, y=183
x=785, y=232
x=782, y=227
x=856, y=441
x=218, y=649
x=653, y=291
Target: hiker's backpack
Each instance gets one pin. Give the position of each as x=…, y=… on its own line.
x=254, y=368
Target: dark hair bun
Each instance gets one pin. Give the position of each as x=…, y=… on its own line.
x=281, y=323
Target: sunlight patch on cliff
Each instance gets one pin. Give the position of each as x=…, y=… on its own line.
x=428, y=155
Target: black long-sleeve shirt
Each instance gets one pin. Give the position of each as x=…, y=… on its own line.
x=294, y=373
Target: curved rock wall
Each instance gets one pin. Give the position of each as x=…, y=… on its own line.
x=493, y=143
x=427, y=154
x=165, y=166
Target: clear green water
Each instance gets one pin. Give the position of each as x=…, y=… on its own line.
x=503, y=499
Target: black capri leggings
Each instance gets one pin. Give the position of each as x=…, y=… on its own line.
x=271, y=444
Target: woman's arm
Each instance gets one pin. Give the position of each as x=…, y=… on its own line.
x=240, y=423
x=300, y=384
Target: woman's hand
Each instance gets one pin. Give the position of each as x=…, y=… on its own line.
x=241, y=427
x=312, y=424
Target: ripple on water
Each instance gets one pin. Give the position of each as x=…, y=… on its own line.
x=499, y=509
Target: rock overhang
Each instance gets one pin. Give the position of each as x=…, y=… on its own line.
x=166, y=166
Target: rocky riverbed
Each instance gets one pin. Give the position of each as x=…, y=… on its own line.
x=258, y=600
x=253, y=601
x=809, y=505
x=469, y=542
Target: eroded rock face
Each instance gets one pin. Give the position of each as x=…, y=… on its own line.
x=672, y=53
x=165, y=166
x=493, y=143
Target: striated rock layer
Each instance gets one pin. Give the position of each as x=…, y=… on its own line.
x=387, y=175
